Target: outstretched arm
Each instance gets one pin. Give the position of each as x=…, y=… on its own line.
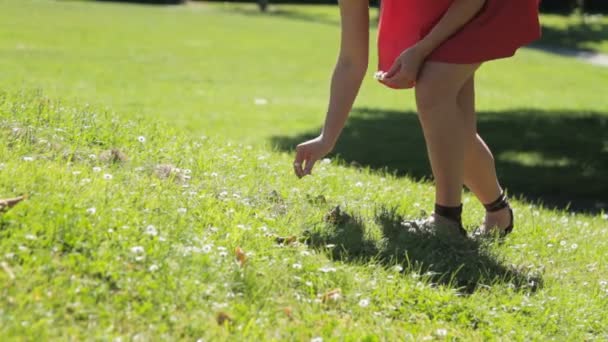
x=347, y=77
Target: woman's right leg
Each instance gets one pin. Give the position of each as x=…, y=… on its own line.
x=479, y=167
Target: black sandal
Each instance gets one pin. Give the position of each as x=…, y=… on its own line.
x=500, y=203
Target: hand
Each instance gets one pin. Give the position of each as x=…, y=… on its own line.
x=405, y=69
x=310, y=152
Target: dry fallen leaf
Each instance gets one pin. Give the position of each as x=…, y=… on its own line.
x=223, y=318
x=281, y=240
x=332, y=296
x=240, y=256
x=288, y=312
x=5, y=204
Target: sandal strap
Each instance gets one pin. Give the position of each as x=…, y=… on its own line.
x=500, y=203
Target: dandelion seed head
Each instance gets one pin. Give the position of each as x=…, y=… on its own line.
x=141, y=139
x=137, y=250
x=364, y=303
x=151, y=230
x=441, y=332
x=206, y=248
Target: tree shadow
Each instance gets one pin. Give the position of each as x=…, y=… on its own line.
x=559, y=158
x=576, y=36
x=462, y=263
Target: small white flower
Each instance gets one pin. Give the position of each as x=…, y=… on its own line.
x=305, y=253
x=359, y=184
x=441, y=332
x=327, y=269
x=330, y=245
x=187, y=171
x=379, y=75
x=28, y=159
x=260, y=101
x=182, y=210
x=603, y=283
x=151, y=230
x=206, y=248
x=76, y=173
x=92, y=156
x=153, y=268
x=110, y=230
x=85, y=180
x=364, y=303
x=30, y=237
x=398, y=268
x=141, y=139
x=316, y=339
x=107, y=176
x=605, y=216
x=574, y=246
x=297, y=266
x=549, y=245
x=91, y=211
x=137, y=250
x=96, y=169
x=223, y=254
x=562, y=243
x=326, y=161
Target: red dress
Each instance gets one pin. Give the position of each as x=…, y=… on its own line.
x=497, y=31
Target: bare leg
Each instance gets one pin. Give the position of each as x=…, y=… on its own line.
x=479, y=168
x=445, y=132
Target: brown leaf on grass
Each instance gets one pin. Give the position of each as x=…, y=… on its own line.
x=332, y=296
x=223, y=318
x=240, y=256
x=5, y=204
x=286, y=240
x=113, y=156
x=288, y=312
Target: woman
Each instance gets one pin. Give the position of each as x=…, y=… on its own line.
x=435, y=46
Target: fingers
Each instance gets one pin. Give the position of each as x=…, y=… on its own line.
x=297, y=163
x=310, y=163
x=396, y=67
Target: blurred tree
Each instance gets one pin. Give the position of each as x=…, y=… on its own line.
x=263, y=4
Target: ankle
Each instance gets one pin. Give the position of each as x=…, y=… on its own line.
x=450, y=213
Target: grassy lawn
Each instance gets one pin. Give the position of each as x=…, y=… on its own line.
x=154, y=142
x=575, y=32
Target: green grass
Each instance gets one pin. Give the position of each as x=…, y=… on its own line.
x=574, y=32
x=132, y=247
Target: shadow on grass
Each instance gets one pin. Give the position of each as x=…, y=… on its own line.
x=460, y=263
x=559, y=158
x=287, y=13
x=576, y=36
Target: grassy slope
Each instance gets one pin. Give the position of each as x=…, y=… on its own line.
x=200, y=68
x=77, y=274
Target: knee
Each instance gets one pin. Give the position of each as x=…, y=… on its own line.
x=431, y=99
